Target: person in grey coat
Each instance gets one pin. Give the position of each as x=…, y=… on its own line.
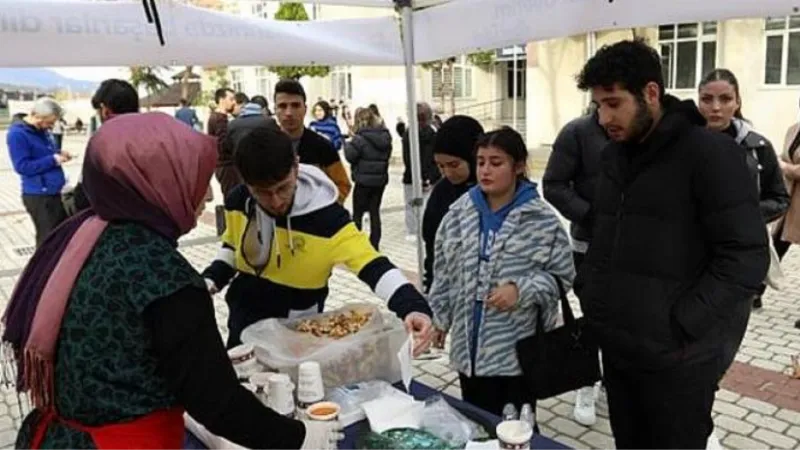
x=569, y=181
x=368, y=153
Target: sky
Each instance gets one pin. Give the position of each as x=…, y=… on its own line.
x=92, y=73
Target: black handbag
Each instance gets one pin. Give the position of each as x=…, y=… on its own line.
x=560, y=360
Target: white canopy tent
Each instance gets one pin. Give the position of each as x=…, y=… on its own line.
x=87, y=33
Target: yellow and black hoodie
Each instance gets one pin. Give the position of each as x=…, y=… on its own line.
x=281, y=265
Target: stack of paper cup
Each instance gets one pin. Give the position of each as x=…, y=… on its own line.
x=243, y=358
x=260, y=381
x=310, y=389
x=281, y=394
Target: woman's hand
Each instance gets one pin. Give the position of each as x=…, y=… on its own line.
x=503, y=298
x=439, y=338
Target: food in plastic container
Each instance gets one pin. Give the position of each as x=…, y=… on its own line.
x=368, y=354
x=335, y=326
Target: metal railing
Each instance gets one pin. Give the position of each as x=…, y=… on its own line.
x=483, y=110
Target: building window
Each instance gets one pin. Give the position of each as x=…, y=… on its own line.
x=342, y=83
x=461, y=79
x=688, y=52
x=782, y=62
x=236, y=80
x=520, y=79
x=263, y=82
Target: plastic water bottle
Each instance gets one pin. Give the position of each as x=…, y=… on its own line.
x=527, y=414
x=509, y=412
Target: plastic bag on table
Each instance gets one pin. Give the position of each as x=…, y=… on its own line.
x=352, y=396
x=361, y=356
x=445, y=422
x=403, y=439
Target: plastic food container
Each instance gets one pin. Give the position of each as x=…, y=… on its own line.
x=367, y=355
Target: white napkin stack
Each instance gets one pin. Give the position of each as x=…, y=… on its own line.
x=396, y=410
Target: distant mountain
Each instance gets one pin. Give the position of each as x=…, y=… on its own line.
x=44, y=79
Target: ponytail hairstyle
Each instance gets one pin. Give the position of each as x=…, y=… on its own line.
x=510, y=142
x=730, y=78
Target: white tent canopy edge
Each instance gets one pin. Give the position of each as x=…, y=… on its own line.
x=463, y=26
x=73, y=33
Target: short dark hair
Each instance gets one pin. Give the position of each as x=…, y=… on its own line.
x=291, y=87
x=264, y=156
x=241, y=98
x=728, y=76
x=116, y=95
x=184, y=102
x=221, y=93
x=632, y=64
x=509, y=141
x=326, y=107
x=260, y=100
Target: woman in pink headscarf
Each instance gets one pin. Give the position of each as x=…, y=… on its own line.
x=113, y=330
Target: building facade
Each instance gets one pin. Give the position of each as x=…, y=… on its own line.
x=764, y=53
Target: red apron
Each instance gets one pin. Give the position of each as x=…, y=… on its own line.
x=159, y=429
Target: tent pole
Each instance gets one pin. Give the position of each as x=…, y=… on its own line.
x=514, y=92
x=406, y=9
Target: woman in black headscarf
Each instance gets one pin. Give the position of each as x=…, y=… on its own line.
x=454, y=153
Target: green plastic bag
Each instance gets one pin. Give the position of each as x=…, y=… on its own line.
x=404, y=439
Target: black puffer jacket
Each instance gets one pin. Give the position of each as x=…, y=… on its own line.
x=679, y=246
x=430, y=173
x=572, y=171
x=368, y=153
x=763, y=163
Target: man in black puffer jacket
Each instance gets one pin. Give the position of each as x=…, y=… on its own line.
x=569, y=181
x=678, y=251
x=571, y=174
x=429, y=172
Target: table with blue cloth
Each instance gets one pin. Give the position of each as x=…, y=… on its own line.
x=420, y=392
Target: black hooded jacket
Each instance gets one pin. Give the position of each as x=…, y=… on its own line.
x=368, y=153
x=679, y=246
x=572, y=171
x=430, y=173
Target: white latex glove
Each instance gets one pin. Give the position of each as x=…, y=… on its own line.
x=212, y=288
x=322, y=435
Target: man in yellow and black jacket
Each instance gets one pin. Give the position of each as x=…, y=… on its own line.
x=285, y=232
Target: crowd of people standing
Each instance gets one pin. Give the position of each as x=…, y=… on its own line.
x=667, y=255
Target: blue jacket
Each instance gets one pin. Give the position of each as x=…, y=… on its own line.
x=530, y=249
x=187, y=115
x=329, y=129
x=32, y=154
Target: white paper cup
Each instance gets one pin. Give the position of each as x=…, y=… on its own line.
x=281, y=397
x=243, y=359
x=323, y=411
x=310, y=388
x=514, y=435
x=261, y=380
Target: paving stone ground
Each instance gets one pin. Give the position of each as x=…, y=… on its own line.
x=757, y=406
